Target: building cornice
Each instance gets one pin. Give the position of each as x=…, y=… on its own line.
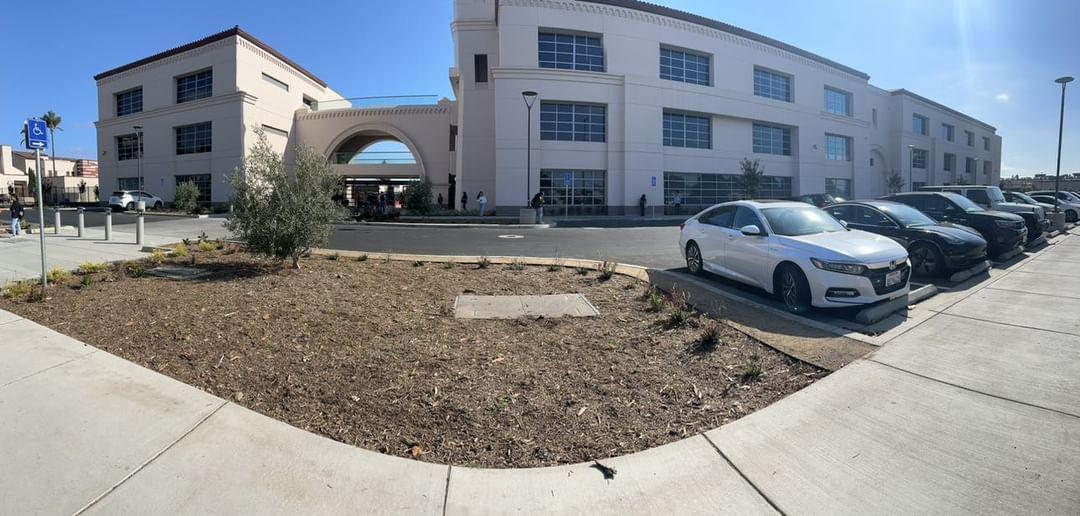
x=215, y=100
x=942, y=107
x=461, y=25
x=383, y=111
x=675, y=19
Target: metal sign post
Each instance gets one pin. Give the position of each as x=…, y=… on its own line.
x=566, y=180
x=37, y=138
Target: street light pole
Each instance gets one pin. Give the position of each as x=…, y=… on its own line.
x=1061, y=127
x=910, y=165
x=530, y=98
x=138, y=142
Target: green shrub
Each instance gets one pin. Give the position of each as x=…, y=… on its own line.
x=553, y=267
x=333, y=257
x=58, y=275
x=157, y=257
x=133, y=269
x=516, y=265
x=91, y=267
x=14, y=290
x=417, y=263
x=418, y=197
x=86, y=281
x=186, y=197
x=657, y=301
x=448, y=265
x=582, y=271
x=206, y=246
x=362, y=258
x=751, y=369
x=709, y=338
x=180, y=250
x=607, y=270
x=483, y=263
x=676, y=318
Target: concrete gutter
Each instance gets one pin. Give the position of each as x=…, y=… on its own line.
x=493, y=225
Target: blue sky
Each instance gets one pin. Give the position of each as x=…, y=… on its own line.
x=993, y=59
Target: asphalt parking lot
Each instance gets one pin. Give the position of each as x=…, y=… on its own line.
x=93, y=217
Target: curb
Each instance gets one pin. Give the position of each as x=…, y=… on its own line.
x=493, y=225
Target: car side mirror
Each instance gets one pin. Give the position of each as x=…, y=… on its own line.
x=751, y=230
x=843, y=223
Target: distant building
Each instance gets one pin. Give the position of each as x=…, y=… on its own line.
x=75, y=179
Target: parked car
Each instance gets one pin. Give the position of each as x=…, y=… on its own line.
x=991, y=198
x=934, y=247
x=817, y=199
x=796, y=252
x=1023, y=198
x=1002, y=231
x=1047, y=203
x=127, y=200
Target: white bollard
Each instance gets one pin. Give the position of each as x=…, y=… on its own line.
x=139, y=229
x=56, y=221
x=82, y=221
x=108, y=223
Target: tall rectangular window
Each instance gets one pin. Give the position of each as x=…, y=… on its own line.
x=918, y=158
x=129, y=102
x=683, y=66
x=575, y=191
x=564, y=121
x=838, y=186
x=837, y=147
x=837, y=102
x=480, y=69
x=988, y=167
x=195, y=86
x=986, y=143
x=969, y=165
x=970, y=138
x=950, y=162
x=687, y=131
x=947, y=132
x=193, y=139
x=773, y=85
x=772, y=139
x=701, y=190
x=202, y=182
x=570, y=51
x=919, y=124
x=128, y=146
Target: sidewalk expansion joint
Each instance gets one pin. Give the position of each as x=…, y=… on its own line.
x=31, y=375
x=745, y=478
x=969, y=389
x=1036, y=293
x=446, y=491
x=154, y=457
x=1014, y=325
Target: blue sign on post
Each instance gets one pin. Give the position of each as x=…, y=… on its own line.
x=654, y=180
x=567, y=179
x=37, y=134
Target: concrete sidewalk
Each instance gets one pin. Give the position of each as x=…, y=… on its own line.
x=20, y=257
x=975, y=410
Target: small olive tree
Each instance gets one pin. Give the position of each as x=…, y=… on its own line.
x=750, y=180
x=186, y=197
x=278, y=214
x=418, y=197
x=895, y=182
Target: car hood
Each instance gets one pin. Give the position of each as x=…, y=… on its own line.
x=852, y=245
x=1015, y=207
x=954, y=232
x=996, y=214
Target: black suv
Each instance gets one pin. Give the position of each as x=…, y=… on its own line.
x=1002, y=231
x=991, y=198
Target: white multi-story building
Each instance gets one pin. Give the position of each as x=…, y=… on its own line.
x=632, y=100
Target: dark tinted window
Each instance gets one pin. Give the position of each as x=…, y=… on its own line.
x=480, y=67
x=840, y=212
x=195, y=86
x=745, y=217
x=720, y=217
x=868, y=217
x=979, y=196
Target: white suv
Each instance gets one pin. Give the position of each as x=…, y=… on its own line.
x=795, y=251
x=128, y=199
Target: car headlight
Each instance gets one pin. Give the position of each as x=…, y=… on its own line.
x=1004, y=223
x=843, y=268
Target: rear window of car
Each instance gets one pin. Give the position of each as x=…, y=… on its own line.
x=118, y=194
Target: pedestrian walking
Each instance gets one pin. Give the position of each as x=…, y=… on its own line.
x=382, y=204
x=481, y=199
x=641, y=203
x=17, y=213
x=464, y=201
x=537, y=204
x=438, y=202
x=677, y=201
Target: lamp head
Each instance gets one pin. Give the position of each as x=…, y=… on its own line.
x=1063, y=80
x=529, y=96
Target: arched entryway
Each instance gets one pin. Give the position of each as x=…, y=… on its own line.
x=377, y=165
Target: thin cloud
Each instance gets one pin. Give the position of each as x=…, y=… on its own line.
x=1002, y=97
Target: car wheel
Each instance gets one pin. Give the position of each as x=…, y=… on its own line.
x=130, y=206
x=157, y=205
x=926, y=260
x=693, y=259
x=793, y=289
x=1071, y=216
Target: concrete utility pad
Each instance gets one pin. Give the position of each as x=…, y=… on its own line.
x=174, y=272
x=684, y=477
x=241, y=462
x=871, y=439
x=513, y=307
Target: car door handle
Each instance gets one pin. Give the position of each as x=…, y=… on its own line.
x=731, y=236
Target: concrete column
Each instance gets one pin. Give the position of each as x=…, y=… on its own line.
x=139, y=228
x=108, y=223
x=56, y=221
x=82, y=221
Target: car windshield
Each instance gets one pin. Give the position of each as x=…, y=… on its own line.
x=800, y=221
x=995, y=194
x=964, y=203
x=907, y=216
x=1025, y=197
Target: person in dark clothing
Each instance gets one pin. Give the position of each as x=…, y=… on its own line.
x=537, y=204
x=438, y=202
x=17, y=213
x=641, y=204
x=464, y=200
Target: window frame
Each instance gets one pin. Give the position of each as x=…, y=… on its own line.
x=198, y=94
x=480, y=68
x=274, y=81
x=790, y=98
x=950, y=132
x=925, y=124
x=552, y=134
x=921, y=153
x=849, y=101
x=986, y=143
x=970, y=135
x=128, y=152
x=785, y=142
x=116, y=101
x=197, y=149
x=554, y=62
x=848, y=142
x=708, y=63
x=945, y=162
x=669, y=131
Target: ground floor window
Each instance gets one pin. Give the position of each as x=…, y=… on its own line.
x=581, y=192
x=201, y=180
x=696, y=191
x=838, y=187
x=128, y=183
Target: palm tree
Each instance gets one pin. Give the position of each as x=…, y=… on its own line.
x=52, y=122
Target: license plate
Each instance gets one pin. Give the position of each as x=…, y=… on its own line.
x=893, y=278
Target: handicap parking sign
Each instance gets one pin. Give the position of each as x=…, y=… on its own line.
x=567, y=179
x=37, y=136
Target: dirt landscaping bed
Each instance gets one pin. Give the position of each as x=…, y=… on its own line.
x=368, y=353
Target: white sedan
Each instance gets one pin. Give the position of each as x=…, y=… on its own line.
x=127, y=199
x=795, y=251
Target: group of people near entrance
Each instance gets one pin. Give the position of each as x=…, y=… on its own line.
x=537, y=203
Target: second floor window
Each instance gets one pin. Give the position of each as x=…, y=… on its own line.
x=918, y=158
x=563, y=121
x=947, y=132
x=772, y=139
x=687, y=131
x=988, y=167
x=193, y=139
x=969, y=165
x=986, y=143
x=773, y=85
x=918, y=124
x=837, y=147
x=195, y=86
x=570, y=51
x=129, y=102
x=679, y=65
x=837, y=102
x=950, y=162
x=128, y=146
x=970, y=138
